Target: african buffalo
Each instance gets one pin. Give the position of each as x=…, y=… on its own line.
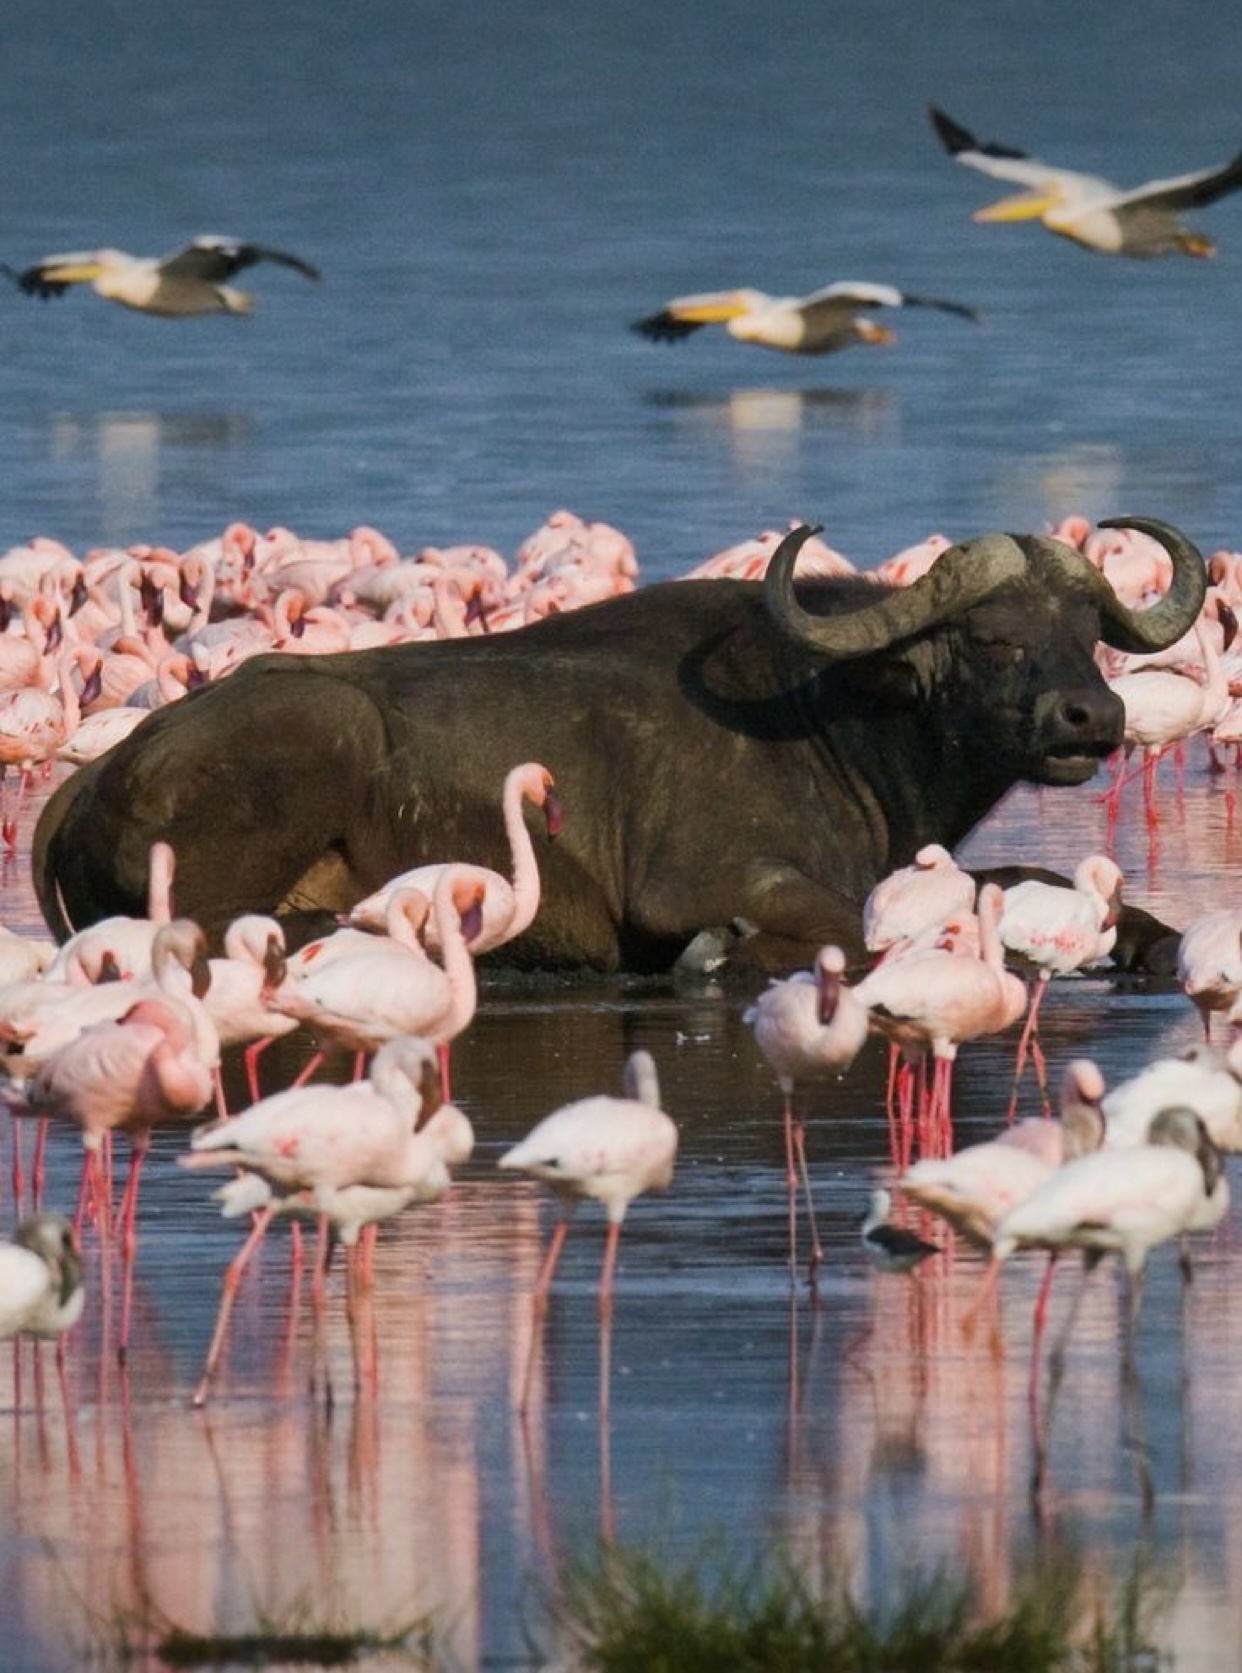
x=725, y=751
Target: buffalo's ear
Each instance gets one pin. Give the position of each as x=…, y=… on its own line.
x=889, y=679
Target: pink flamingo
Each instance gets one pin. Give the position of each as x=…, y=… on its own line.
x=342, y=1151
x=238, y=996
x=27, y=655
x=807, y=1026
x=1135, y=566
x=1055, y=931
x=748, y=560
x=34, y=724
x=120, y=946
x=138, y=1071
x=304, y=629
x=936, y=1000
x=912, y=562
x=23, y=958
x=1127, y=1201
x=1225, y=573
x=1209, y=962
x=509, y=907
x=609, y=1149
x=176, y=673
x=26, y=570
x=566, y=539
x=96, y=734
x=974, y=1188
x=1203, y=1079
x=915, y=899
x=46, y=1017
x=392, y=986
x=1164, y=706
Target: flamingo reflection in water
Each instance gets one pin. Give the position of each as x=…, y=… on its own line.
x=1123, y=1200
x=353, y=1155
x=610, y=1149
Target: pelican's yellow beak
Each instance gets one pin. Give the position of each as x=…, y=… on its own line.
x=72, y=273
x=1027, y=206
x=711, y=313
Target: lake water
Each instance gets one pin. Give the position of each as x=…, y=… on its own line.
x=493, y=193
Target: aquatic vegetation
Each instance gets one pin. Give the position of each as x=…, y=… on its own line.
x=300, y=1634
x=632, y=1612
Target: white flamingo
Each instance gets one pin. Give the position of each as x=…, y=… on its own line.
x=807, y=1026
x=609, y=1149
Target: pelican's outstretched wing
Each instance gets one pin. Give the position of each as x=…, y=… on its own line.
x=213, y=258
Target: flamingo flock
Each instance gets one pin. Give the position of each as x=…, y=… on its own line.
x=122, y=1029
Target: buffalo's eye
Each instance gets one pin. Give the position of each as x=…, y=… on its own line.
x=1000, y=653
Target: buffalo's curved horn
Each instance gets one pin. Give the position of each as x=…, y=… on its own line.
x=959, y=578
x=1165, y=621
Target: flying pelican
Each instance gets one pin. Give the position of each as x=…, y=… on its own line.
x=187, y=281
x=826, y=320
x=1093, y=212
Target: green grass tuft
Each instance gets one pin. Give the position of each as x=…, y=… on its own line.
x=629, y=1612
x=296, y=1636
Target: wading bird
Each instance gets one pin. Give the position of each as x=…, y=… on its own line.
x=191, y=280
x=607, y=1148
x=509, y=907
x=808, y=1026
x=826, y=320
x=1144, y=221
x=1053, y=931
x=41, y=1291
x=353, y=1154
x=892, y=1248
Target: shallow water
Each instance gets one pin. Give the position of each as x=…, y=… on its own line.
x=860, y=1430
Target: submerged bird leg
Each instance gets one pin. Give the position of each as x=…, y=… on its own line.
x=18, y=1172
x=1133, y=1436
x=605, y=1316
x=1056, y=1356
x=937, y=1136
x=38, y=1166
x=539, y=1305
x=892, y=1104
x=228, y=1294
x=1039, y=1436
x=817, y=1249
x=127, y=1219
x=1028, y=1045
x=987, y=1288
x=791, y=1180
x=906, y=1085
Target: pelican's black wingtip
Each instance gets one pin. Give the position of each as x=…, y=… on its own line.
x=951, y=134
x=663, y=327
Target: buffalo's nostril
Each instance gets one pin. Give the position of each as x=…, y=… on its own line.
x=1090, y=717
